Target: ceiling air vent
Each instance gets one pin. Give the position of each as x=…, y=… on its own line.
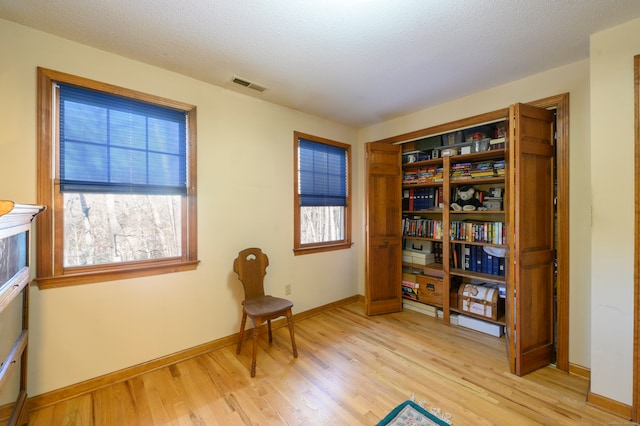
x=250, y=84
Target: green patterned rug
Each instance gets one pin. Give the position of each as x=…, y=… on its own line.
x=410, y=413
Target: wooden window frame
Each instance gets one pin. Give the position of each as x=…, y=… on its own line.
x=50, y=271
x=345, y=243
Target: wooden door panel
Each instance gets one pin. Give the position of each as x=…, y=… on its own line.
x=383, y=290
x=535, y=234
x=535, y=301
x=387, y=296
x=532, y=246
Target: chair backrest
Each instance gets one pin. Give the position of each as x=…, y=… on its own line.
x=251, y=267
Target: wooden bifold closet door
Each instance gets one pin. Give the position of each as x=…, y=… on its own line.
x=531, y=238
x=383, y=293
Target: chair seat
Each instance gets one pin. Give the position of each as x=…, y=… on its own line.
x=266, y=305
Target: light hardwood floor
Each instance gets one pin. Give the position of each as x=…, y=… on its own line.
x=352, y=370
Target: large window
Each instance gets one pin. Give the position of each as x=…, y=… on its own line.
x=117, y=172
x=322, y=194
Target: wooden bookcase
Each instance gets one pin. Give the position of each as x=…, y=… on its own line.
x=15, y=275
x=455, y=238
x=525, y=217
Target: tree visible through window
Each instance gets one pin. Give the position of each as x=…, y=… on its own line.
x=322, y=194
x=108, y=228
x=321, y=224
x=121, y=166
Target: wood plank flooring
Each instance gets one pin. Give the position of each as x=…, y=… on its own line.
x=352, y=370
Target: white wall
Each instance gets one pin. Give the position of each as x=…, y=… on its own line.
x=612, y=182
x=245, y=184
x=573, y=79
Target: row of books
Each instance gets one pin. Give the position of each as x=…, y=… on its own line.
x=425, y=174
x=414, y=199
x=479, y=232
x=479, y=169
x=476, y=259
x=433, y=174
x=422, y=227
x=470, y=231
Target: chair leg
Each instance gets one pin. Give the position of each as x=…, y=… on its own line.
x=291, y=333
x=270, y=335
x=256, y=326
x=244, y=322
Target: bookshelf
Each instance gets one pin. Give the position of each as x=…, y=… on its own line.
x=445, y=249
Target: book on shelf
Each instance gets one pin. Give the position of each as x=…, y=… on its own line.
x=472, y=259
x=416, y=306
x=454, y=255
x=487, y=263
x=467, y=257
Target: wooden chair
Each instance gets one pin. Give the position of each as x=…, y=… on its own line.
x=251, y=267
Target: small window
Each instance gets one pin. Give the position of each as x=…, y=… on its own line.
x=117, y=170
x=322, y=196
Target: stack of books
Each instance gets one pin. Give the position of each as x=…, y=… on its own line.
x=477, y=170
x=418, y=175
x=482, y=169
x=460, y=171
x=409, y=290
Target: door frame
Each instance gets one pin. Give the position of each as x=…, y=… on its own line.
x=560, y=103
x=635, y=409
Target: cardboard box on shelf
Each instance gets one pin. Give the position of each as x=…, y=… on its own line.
x=482, y=326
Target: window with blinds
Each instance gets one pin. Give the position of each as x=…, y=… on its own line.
x=322, y=197
x=121, y=166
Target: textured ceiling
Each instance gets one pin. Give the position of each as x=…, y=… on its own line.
x=357, y=62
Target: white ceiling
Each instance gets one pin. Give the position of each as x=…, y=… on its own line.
x=357, y=62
